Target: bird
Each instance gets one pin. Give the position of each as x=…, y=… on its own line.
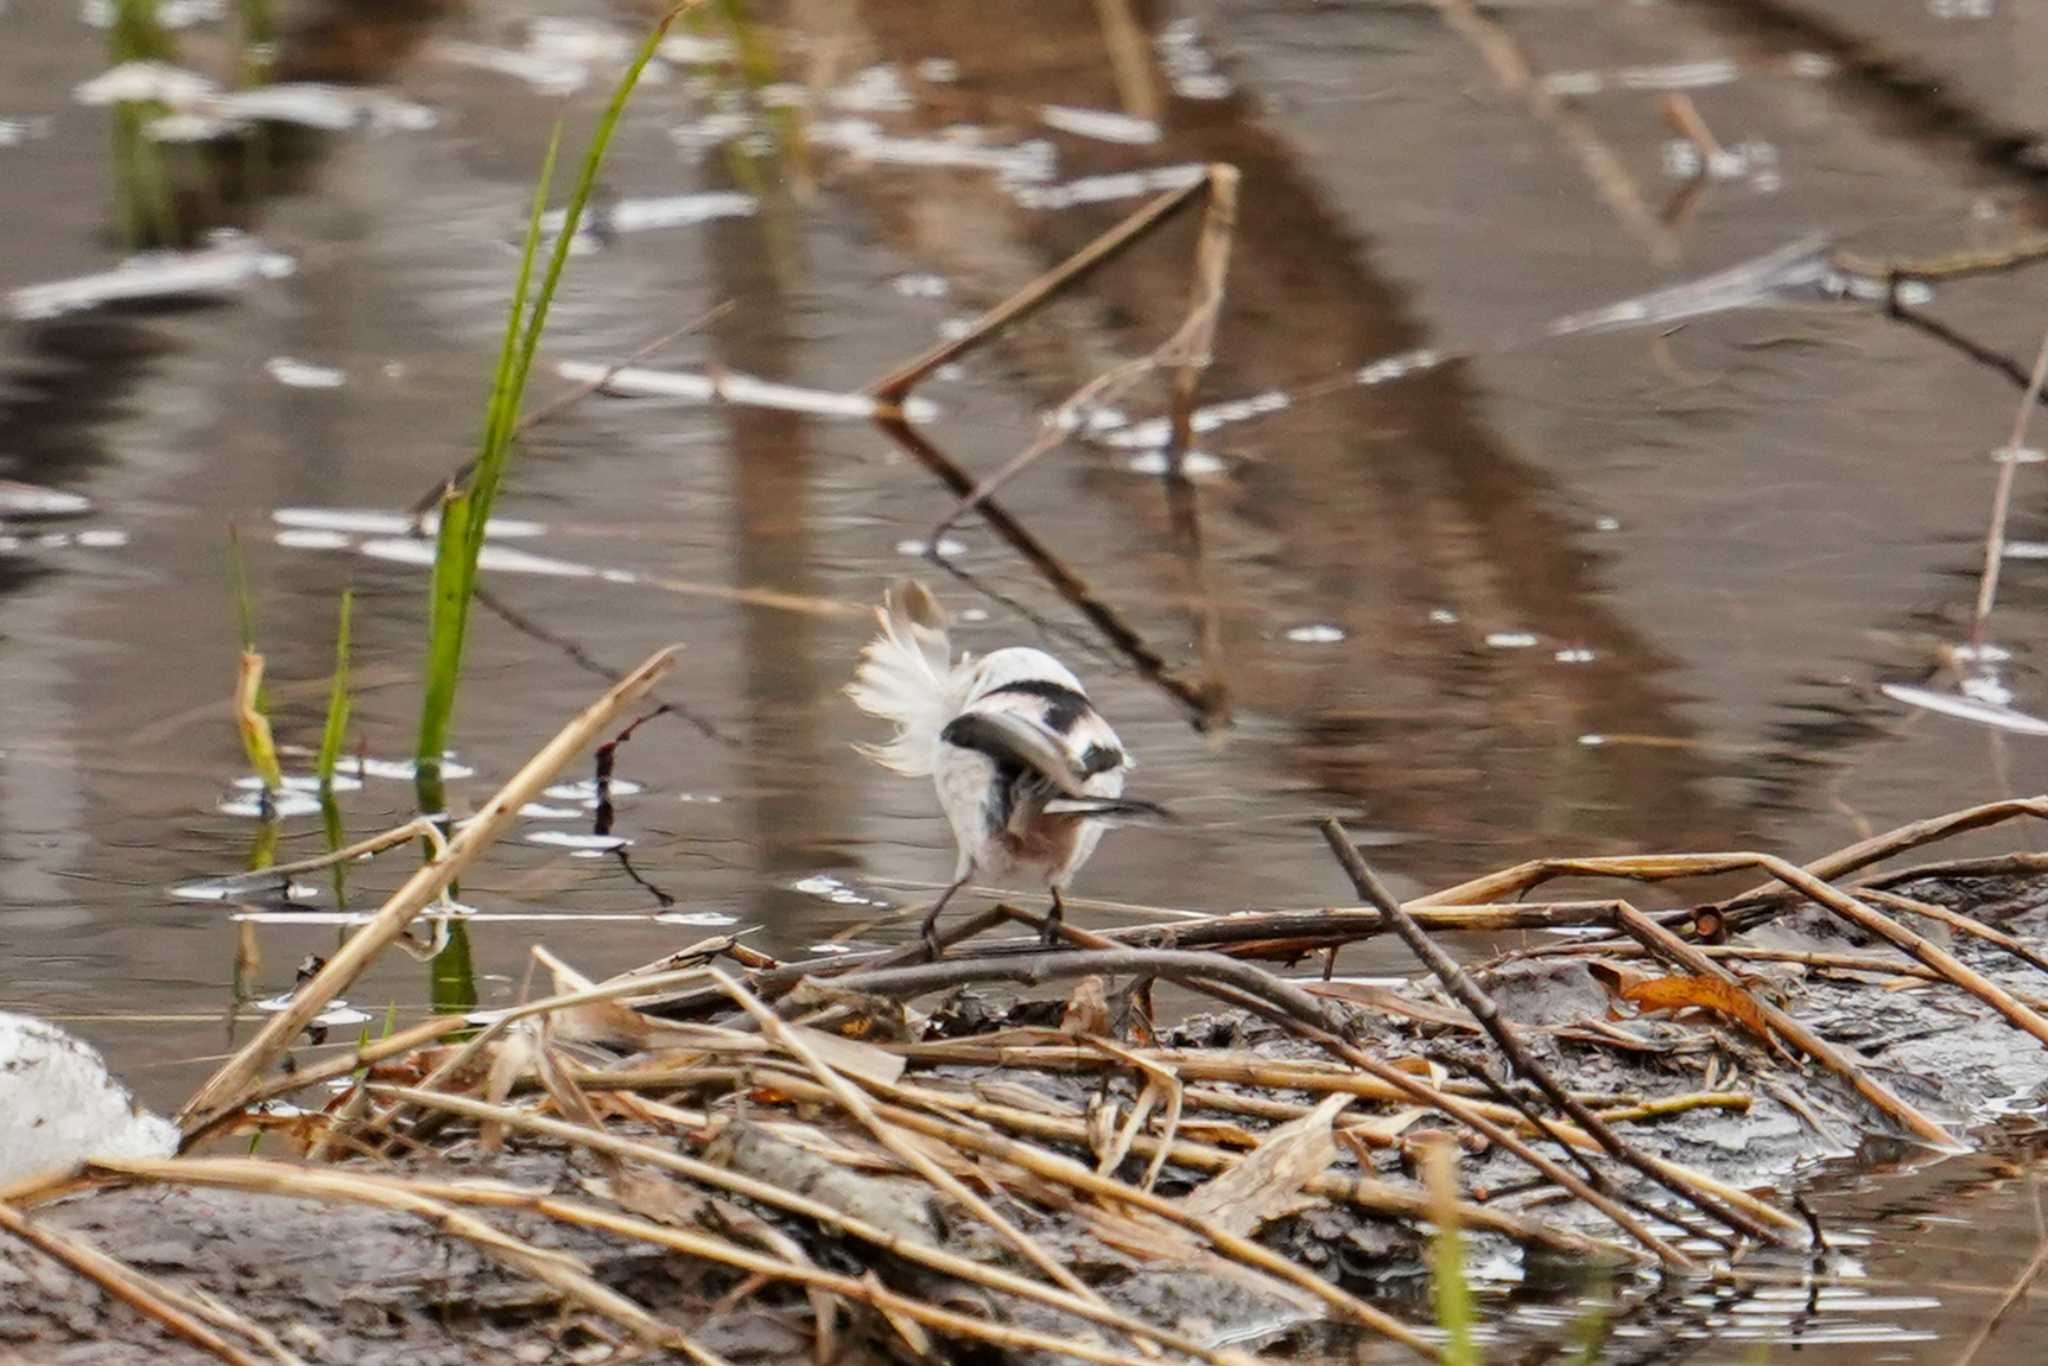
x=1027, y=772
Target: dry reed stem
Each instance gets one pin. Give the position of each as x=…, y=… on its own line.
x=404, y=1041
x=225, y=1088
x=1950, y=265
x=760, y=1264
x=1879, y=847
x=897, y=384
x=1367, y=1193
x=1663, y=867
x=608, y=991
x=1067, y=1172
x=1669, y=946
x=738, y=1183
x=1462, y=1111
x=1130, y=58
x=1488, y=1014
x=1961, y=924
x=856, y=1105
x=124, y=1283
x=1274, y=999
x=558, y=1271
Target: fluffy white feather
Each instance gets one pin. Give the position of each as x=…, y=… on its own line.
x=907, y=675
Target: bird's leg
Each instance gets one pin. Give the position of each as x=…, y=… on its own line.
x=931, y=917
x=1050, y=935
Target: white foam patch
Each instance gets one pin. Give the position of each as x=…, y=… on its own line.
x=300, y=374
x=569, y=839
x=502, y=559
x=1100, y=124
x=1315, y=634
x=230, y=263
x=372, y=522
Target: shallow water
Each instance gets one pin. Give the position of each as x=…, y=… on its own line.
x=1613, y=591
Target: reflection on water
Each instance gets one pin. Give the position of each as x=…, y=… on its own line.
x=1522, y=544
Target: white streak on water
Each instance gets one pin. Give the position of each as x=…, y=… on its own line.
x=406, y=550
x=231, y=263
x=668, y=211
x=132, y=82
x=744, y=390
x=1101, y=189
x=371, y=522
x=1101, y=124
x=300, y=374
x=1984, y=713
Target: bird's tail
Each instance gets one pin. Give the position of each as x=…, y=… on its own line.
x=907, y=675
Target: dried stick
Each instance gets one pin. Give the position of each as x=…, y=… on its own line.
x=915, y=1157
x=897, y=384
x=1066, y=1171
x=1423, y=1093
x=759, y=1264
x=2001, y=502
x=404, y=1041
x=223, y=1089
x=1488, y=1014
x=1663, y=867
x=1274, y=999
x=1667, y=945
x=1880, y=847
x=1069, y=585
x=124, y=1283
x=1946, y=265
x=1960, y=923
x=738, y=1183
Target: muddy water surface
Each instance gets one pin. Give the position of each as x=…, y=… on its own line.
x=1629, y=591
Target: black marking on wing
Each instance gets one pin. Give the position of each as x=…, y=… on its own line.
x=1013, y=742
x=1064, y=706
x=1101, y=759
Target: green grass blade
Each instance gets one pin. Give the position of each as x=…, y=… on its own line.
x=448, y=601
x=245, y=600
x=460, y=545
x=336, y=731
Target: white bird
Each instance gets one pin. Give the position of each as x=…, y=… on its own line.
x=1027, y=771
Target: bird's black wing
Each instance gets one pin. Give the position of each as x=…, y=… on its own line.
x=1014, y=741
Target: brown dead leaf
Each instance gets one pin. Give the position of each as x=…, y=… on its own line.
x=1266, y=1184
x=1087, y=1008
x=1683, y=991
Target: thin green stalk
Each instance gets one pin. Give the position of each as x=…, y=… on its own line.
x=245, y=599
x=460, y=545
x=336, y=731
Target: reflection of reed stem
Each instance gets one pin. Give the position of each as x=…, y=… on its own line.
x=2001, y=503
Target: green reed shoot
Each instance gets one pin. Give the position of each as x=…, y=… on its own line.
x=335, y=733
x=465, y=512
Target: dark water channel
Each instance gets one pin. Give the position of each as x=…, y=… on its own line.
x=1609, y=593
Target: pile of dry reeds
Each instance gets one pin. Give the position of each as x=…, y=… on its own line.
x=725, y=1099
